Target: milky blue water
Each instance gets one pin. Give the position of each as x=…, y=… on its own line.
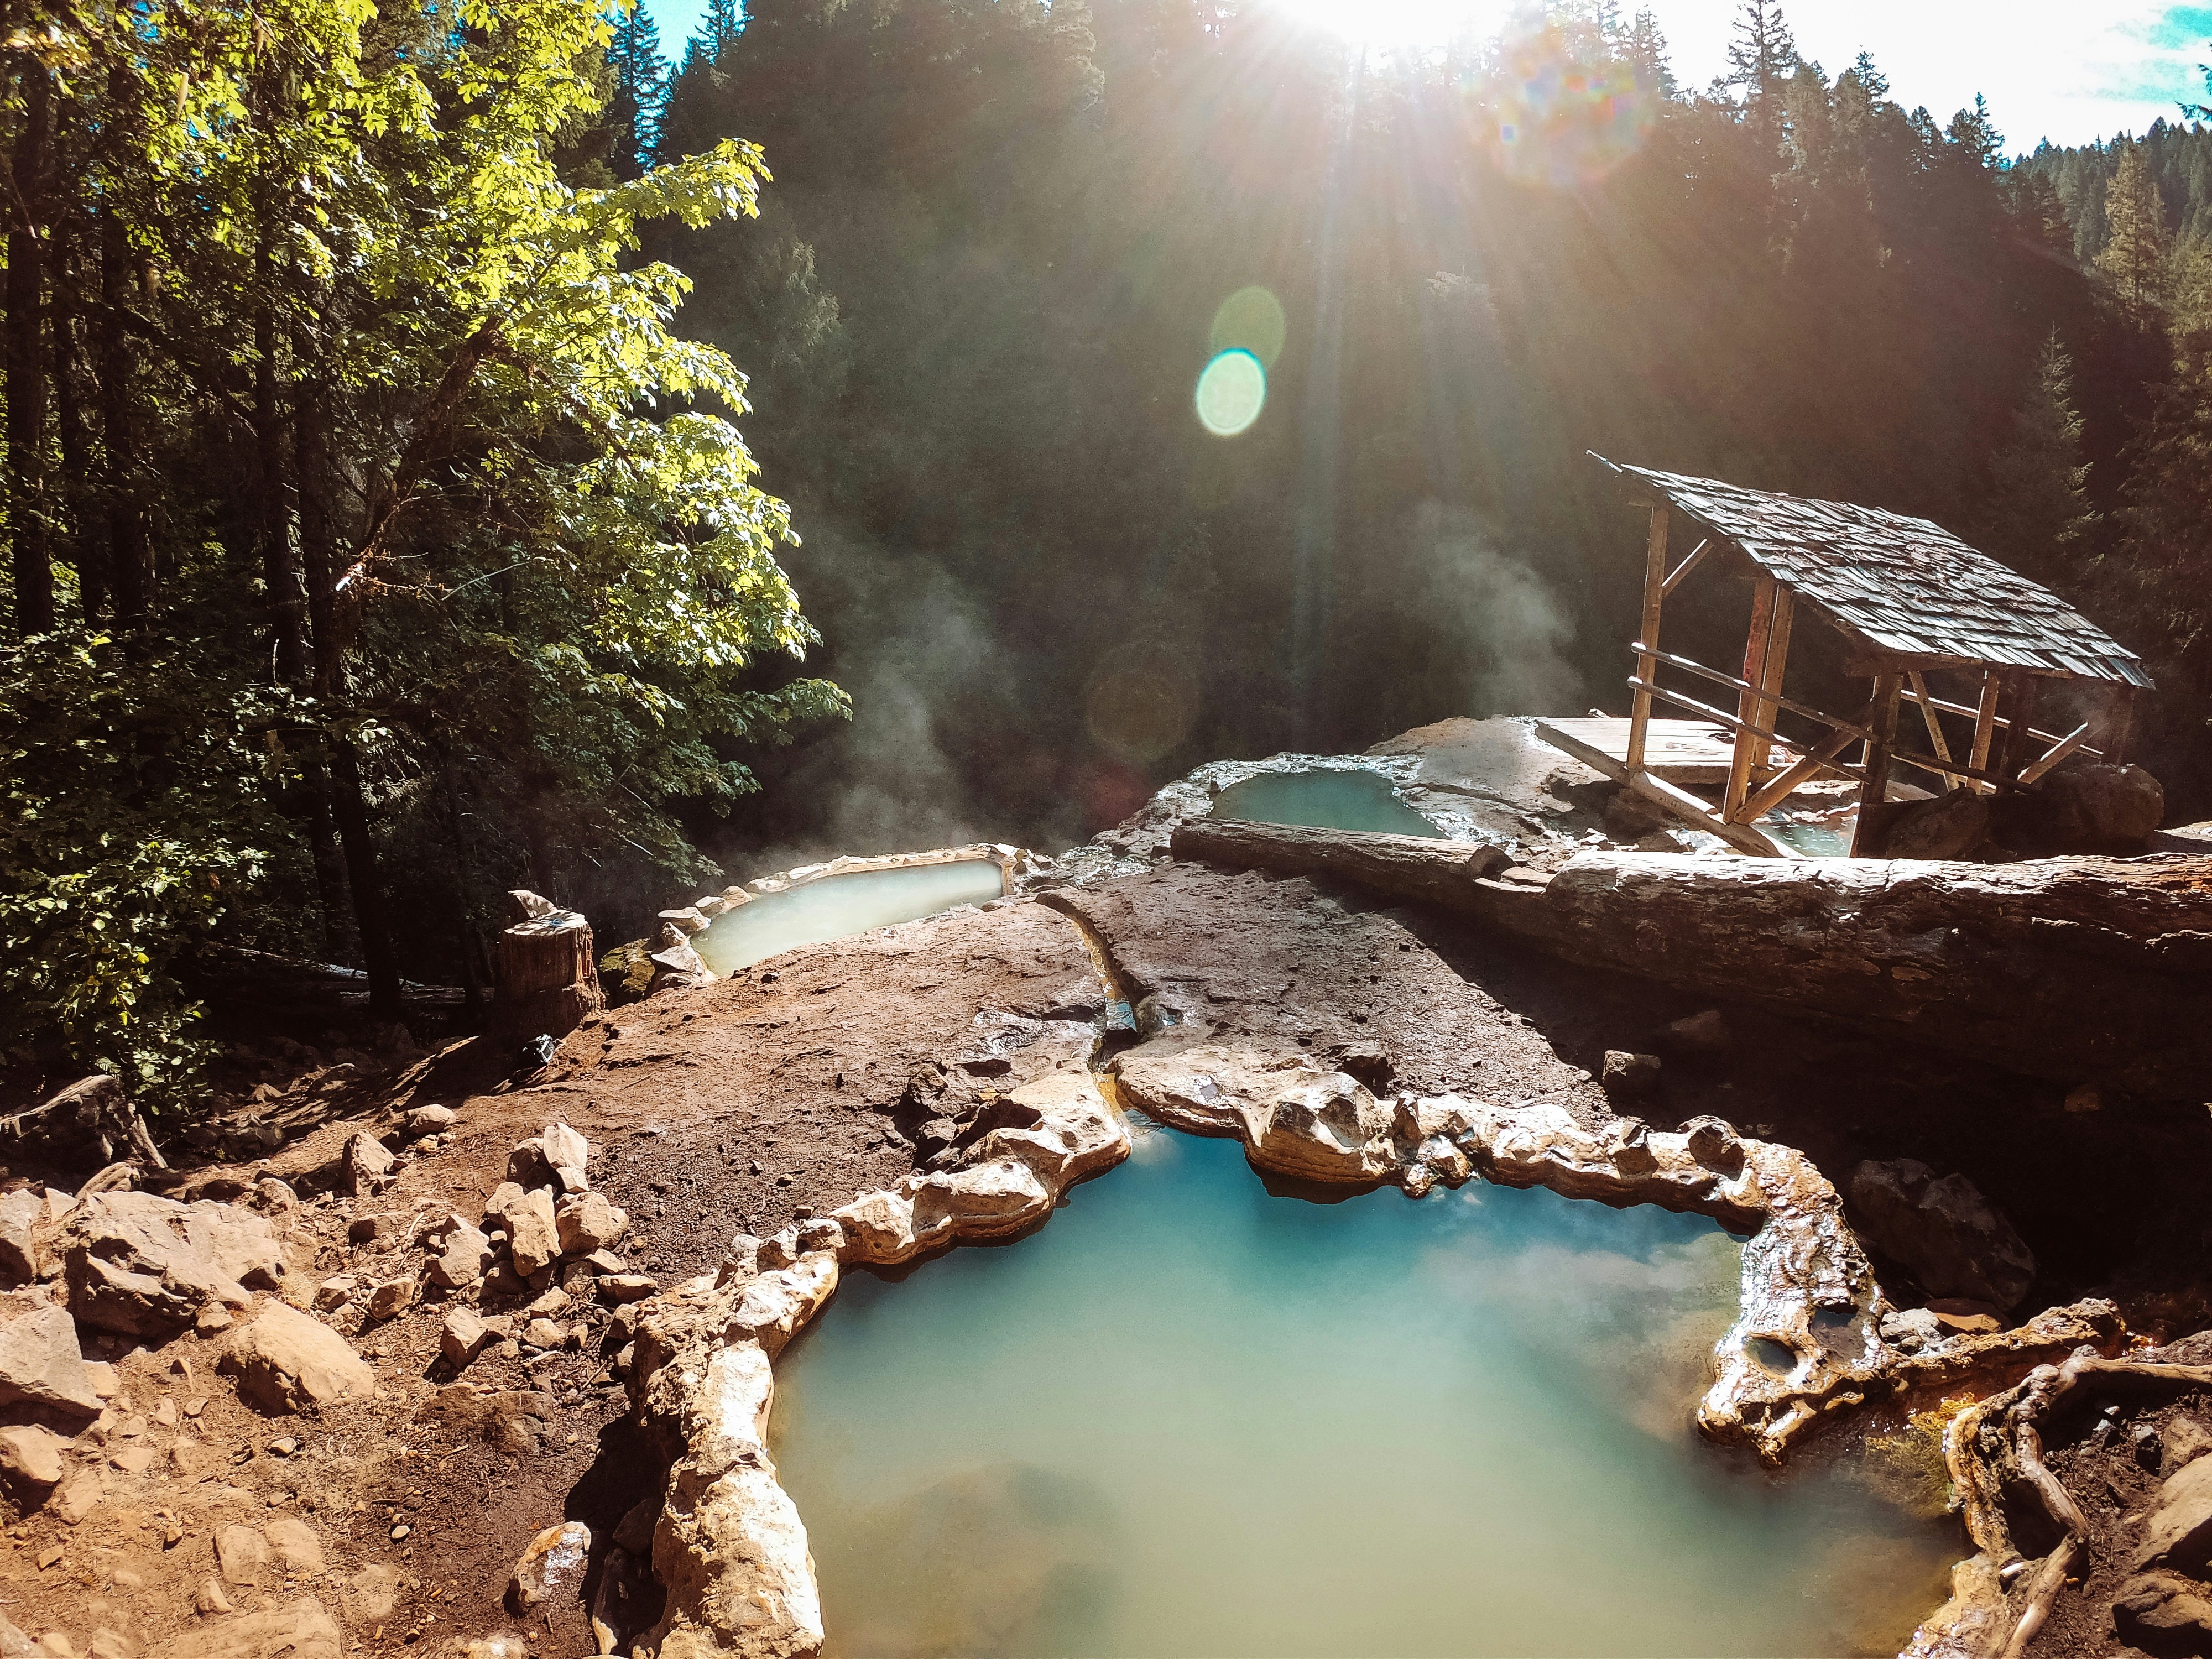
x=834, y=907
x=1323, y=800
x=1190, y=1418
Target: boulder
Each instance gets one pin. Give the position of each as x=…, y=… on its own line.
x=288, y=1361
x=390, y=1298
x=587, y=1222
x=463, y=1338
x=427, y=1120
x=878, y=1229
x=150, y=1267
x=2178, y=1534
x=533, y=1235
x=2088, y=808
x=42, y=1368
x=1703, y=1033
x=1628, y=1076
x=568, y=1153
x=1949, y=827
x=22, y=1255
x=462, y=1257
x=31, y=1461
x=294, y=1543
x=984, y=1202
x=2164, y=1615
x=297, y=1630
x=365, y=1165
x=551, y=1569
x=241, y=1552
x=1714, y=1143
x=1945, y=1232
x=2186, y=1440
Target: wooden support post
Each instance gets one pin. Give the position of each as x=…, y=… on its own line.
x=1750, y=749
x=2020, y=736
x=1655, y=591
x=1918, y=682
x=1986, y=719
x=1874, y=788
x=2118, y=725
x=1814, y=761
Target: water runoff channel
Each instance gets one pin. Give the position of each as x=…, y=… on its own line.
x=1195, y=1416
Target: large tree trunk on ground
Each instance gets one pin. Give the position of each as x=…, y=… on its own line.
x=2082, y=969
x=548, y=979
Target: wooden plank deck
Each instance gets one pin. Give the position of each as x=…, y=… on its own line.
x=1645, y=781
x=1687, y=752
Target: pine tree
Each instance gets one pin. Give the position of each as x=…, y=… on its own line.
x=640, y=92
x=2137, y=245
x=1761, y=53
x=2040, y=518
x=1645, y=49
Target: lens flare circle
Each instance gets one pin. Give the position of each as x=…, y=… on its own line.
x=1251, y=319
x=1232, y=390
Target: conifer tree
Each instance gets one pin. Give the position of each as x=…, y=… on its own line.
x=640, y=92
x=1761, y=54
x=2039, y=517
x=1645, y=48
x=2137, y=245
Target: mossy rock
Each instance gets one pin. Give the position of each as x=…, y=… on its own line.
x=626, y=973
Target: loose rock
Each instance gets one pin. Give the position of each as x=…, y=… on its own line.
x=551, y=1568
x=587, y=1222
x=299, y=1630
x=428, y=1120
x=294, y=1543
x=464, y=1337
x=367, y=1166
x=390, y=1298
x=2178, y=1534
x=41, y=1367
x=1628, y=1076
x=288, y=1361
x=241, y=1552
x=2165, y=1614
x=464, y=1256
x=147, y=1266
x=1951, y=1237
x=31, y=1461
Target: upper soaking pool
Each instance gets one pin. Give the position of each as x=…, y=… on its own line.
x=1324, y=800
x=836, y=906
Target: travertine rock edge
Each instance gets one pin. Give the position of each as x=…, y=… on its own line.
x=1807, y=1340
x=1999, y=1598
x=729, y=1548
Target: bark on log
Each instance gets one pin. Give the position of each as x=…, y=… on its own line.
x=2081, y=970
x=90, y=1120
x=548, y=979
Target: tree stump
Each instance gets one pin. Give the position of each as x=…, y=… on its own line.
x=548, y=979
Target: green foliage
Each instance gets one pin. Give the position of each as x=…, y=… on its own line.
x=2040, y=519
x=135, y=806
x=359, y=302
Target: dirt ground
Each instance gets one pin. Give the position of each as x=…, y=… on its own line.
x=801, y=1083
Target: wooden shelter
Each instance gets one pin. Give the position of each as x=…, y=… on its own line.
x=1910, y=600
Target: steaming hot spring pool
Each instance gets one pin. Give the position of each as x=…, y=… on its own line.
x=1324, y=800
x=1190, y=1417
x=834, y=907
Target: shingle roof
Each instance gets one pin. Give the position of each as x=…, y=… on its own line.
x=1899, y=583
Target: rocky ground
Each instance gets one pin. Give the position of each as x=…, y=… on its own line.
x=347, y=1398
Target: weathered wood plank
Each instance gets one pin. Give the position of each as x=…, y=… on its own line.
x=1655, y=594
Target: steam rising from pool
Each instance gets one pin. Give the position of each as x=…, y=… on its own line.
x=1191, y=1418
x=834, y=907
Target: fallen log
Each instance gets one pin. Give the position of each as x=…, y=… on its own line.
x=2081, y=970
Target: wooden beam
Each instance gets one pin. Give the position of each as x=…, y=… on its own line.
x=1655, y=594
x=1720, y=717
x=1820, y=759
x=2058, y=751
x=1874, y=788
x=1686, y=805
x=1999, y=720
x=1986, y=719
x=1935, y=739
x=1748, y=747
x=2020, y=736
x=1660, y=792
x=1689, y=666
x=1675, y=577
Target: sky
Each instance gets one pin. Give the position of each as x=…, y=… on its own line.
x=2069, y=70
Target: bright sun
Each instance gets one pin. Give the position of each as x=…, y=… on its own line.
x=1385, y=24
